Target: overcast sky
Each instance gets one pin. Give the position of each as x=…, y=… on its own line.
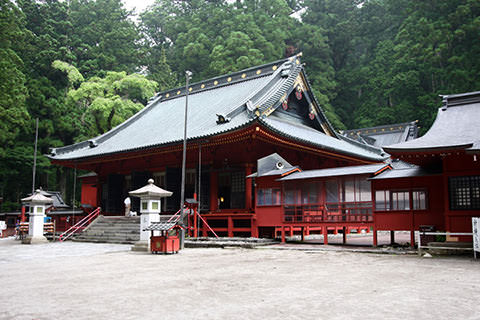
x=139, y=5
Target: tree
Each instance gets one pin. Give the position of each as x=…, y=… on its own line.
x=99, y=104
x=103, y=37
x=215, y=37
x=13, y=92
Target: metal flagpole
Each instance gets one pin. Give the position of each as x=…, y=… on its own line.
x=188, y=74
x=199, y=183
x=35, y=157
x=74, y=191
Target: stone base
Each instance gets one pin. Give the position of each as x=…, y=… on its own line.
x=34, y=240
x=140, y=246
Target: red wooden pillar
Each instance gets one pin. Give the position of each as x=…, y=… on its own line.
x=248, y=189
x=375, y=237
x=412, y=238
x=283, y=234
x=22, y=217
x=290, y=231
x=254, y=229
x=195, y=227
x=213, y=191
x=204, y=229
x=99, y=193
x=325, y=235
x=230, y=227
x=446, y=204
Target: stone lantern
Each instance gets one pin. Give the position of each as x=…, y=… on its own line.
x=150, y=205
x=38, y=203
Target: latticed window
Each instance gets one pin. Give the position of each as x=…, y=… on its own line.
x=464, y=193
x=238, y=181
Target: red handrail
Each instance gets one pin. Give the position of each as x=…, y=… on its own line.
x=208, y=226
x=175, y=216
x=80, y=225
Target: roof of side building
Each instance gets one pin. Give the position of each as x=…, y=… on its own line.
x=456, y=127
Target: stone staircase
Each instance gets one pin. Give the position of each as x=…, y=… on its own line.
x=108, y=229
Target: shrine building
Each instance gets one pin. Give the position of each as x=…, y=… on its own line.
x=233, y=120
x=437, y=181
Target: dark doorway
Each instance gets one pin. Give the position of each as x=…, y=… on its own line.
x=231, y=189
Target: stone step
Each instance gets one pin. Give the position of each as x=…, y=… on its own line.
x=107, y=232
x=113, y=236
x=107, y=241
x=111, y=230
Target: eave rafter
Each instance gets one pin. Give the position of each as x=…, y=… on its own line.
x=254, y=131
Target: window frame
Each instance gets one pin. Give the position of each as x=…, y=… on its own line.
x=425, y=191
x=388, y=200
x=275, y=197
x=470, y=184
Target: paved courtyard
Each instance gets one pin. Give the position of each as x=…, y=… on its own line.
x=99, y=281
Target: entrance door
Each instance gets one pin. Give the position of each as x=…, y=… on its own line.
x=231, y=190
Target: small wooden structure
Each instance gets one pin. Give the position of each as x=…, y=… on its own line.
x=168, y=241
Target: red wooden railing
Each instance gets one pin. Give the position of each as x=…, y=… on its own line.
x=80, y=225
x=344, y=212
x=192, y=226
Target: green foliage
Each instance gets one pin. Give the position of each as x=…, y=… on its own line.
x=103, y=37
x=102, y=103
x=13, y=92
x=72, y=63
x=73, y=75
x=215, y=37
x=392, y=58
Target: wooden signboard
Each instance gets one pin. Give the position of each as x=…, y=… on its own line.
x=476, y=236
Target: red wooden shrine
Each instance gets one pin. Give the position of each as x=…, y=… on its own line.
x=339, y=183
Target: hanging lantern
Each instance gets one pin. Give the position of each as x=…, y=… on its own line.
x=285, y=105
x=311, y=115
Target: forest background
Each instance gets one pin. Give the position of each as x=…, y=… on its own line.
x=83, y=66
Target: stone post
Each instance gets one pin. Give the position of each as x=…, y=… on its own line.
x=38, y=204
x=150, y=204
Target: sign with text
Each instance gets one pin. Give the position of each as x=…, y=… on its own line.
x=476, y=235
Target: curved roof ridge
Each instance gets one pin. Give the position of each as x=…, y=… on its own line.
x=272, y=96
x=360, y=144
x=219, y=81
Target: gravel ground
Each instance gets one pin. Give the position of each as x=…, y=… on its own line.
x=98, y=281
